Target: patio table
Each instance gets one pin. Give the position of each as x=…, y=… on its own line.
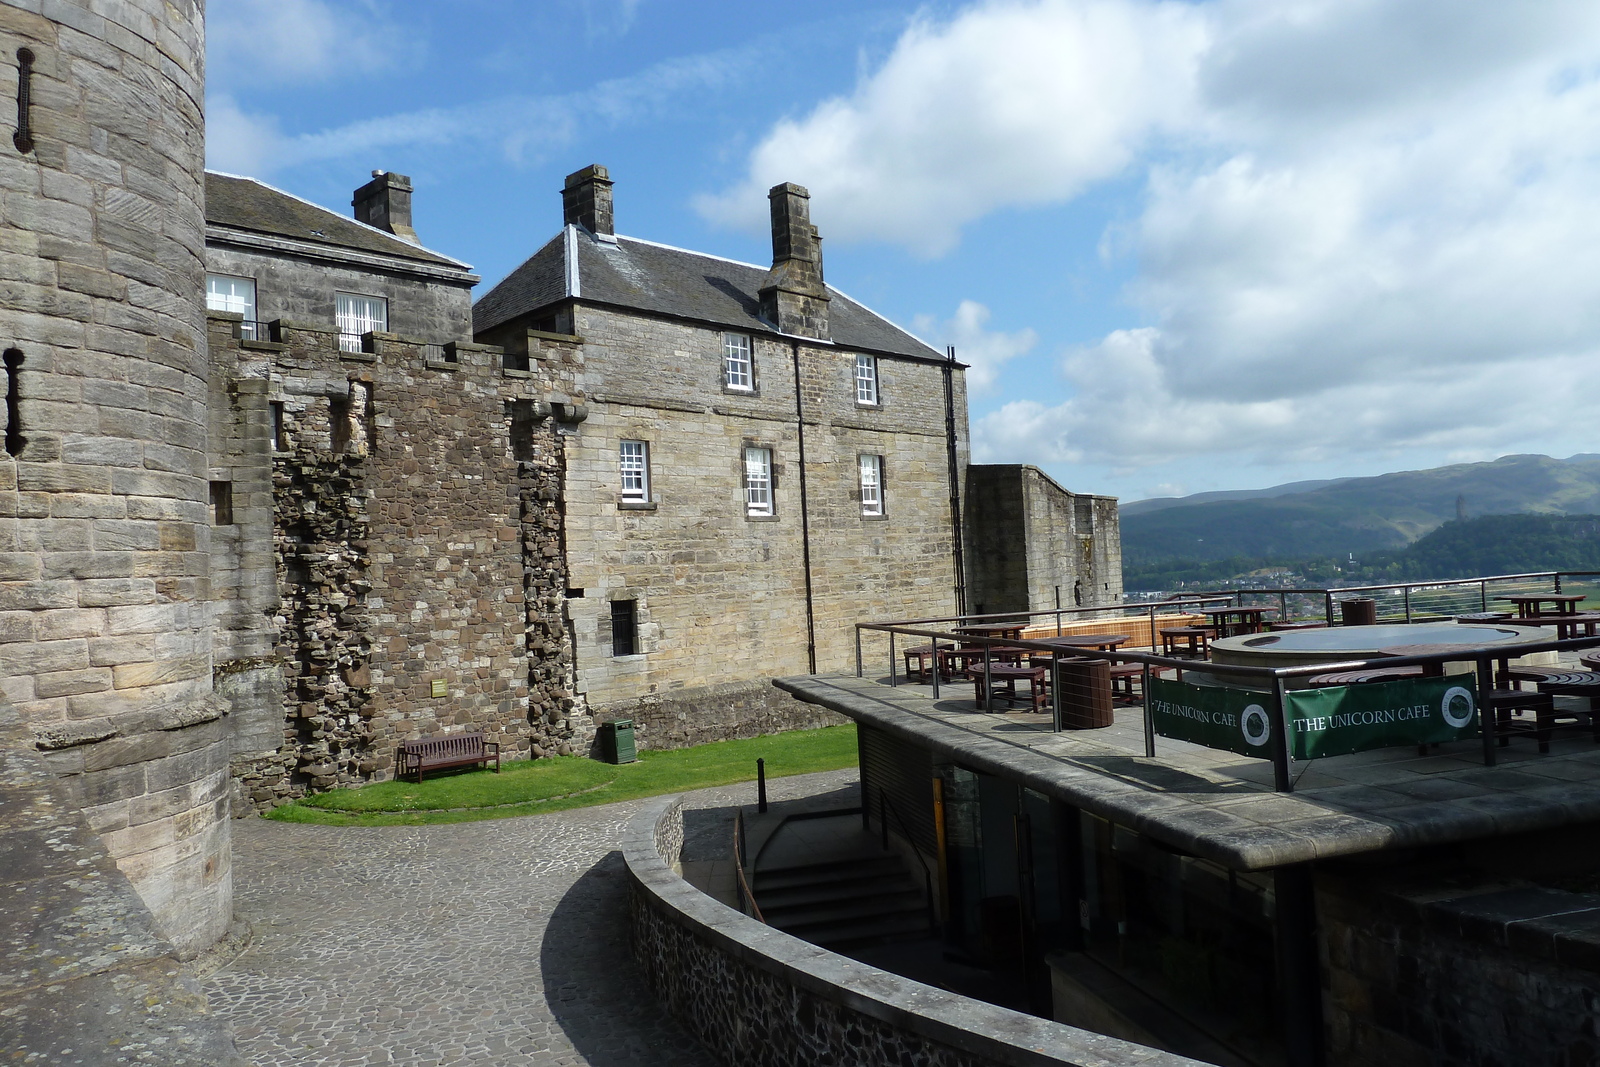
x=1532, y=604
x=1236, y=620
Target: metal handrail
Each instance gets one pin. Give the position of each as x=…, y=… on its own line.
x=1274, y=679
x=746, y=895
x=884, y=803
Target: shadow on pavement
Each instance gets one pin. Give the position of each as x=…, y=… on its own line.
x=594, y=989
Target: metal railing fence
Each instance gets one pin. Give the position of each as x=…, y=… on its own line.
x=1271, y=681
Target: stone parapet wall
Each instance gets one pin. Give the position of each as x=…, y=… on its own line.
x=716, y=713
x=1458, y=973
x=753, y=995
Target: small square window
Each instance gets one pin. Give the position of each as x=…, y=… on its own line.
x=633, y=462
x=624, y=627
x=738, y=370
x=359, y=315
x=866, y=379
x=758, y=481
x=871, y=485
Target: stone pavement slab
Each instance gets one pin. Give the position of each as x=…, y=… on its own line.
x=501, y=942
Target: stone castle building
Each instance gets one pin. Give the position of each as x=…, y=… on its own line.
x=275, y=496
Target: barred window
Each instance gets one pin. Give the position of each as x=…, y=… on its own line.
x=758, y=481
x=633, y=459
x=866, y=380
x=238, y=295
x=738, y=373
x=871, y=485
x=358, y=315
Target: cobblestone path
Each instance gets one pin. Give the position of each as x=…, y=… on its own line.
x=501, y=942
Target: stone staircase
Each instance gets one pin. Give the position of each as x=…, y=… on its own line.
x=842, y=891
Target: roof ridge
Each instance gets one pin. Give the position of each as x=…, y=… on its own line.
x=351, y=219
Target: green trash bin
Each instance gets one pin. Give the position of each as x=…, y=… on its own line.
x=616, y=741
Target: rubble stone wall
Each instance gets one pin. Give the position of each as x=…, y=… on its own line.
x=417, y=536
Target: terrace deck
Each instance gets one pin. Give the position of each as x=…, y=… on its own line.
x=1222, y=806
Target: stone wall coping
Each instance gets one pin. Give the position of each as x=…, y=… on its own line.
x=992, y=1034
x=567, y=338
x=1185, y=803
x=262, y=346
x=303, y=326
x=471, y=346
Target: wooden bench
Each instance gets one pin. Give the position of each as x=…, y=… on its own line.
x=423, y=754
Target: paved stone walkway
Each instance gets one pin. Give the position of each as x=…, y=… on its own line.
x=500, y=942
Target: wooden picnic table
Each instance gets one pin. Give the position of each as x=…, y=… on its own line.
x=1236, y=619
x=1077, y=642
x=1567, y=623
x=1003, y=679
x=1005, y=631
x=1185, y=641
x=1532, y=604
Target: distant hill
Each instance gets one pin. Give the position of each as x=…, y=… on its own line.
x=1359, y=515
x=1159, y=503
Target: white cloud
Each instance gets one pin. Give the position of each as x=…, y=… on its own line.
x=985, y=351
x=1010, y=103
x=287, y=42
x=521, y=128
x=1367, y=225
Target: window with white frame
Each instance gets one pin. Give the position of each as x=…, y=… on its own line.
x=358, y=315
x=633, y=461
x=758, y=481
x=871, y=485
x=866, y=380
x=738, y=371
x=238, y=295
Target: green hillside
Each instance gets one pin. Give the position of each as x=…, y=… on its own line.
x=1359, y=515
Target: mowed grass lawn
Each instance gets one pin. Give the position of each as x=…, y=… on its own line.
x=556, y=783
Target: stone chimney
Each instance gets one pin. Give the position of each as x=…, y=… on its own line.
x=586, y=201
x=385, y=202
x=793, y=297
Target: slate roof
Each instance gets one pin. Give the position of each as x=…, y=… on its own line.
x=248, y=204
x=671, y=281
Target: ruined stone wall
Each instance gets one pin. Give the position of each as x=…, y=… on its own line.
x=1033, y=545
x=721, y=596
x=417, y=538
x=105, y=628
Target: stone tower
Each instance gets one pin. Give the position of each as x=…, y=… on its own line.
x=105, y=628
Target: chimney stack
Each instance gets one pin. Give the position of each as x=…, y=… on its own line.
x=586, y=201
x=793, y=296
x=385, y=202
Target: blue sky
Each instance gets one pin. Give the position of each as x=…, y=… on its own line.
x=1186, y=246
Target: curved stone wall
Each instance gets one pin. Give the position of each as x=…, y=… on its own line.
x=757, y=996
x=104, y=618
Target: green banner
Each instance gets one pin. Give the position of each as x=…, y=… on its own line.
x=1354, y=718
x=1333, y=721
x=1232, y=719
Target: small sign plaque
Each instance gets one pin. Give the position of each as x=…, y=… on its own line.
x=440, y=689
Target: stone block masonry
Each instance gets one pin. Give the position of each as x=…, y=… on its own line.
x=417, y=531
x=105, y=626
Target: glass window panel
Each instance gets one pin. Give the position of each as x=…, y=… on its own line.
x=872, y=485
x=866, y=380
x=633, y=460
x=737, y=370
x=758, y=481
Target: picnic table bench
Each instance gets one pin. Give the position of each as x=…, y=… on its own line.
x=423, y=754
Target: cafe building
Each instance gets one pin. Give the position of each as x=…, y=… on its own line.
x=1253, y=871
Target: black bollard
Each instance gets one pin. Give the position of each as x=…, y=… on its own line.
x=761, y=786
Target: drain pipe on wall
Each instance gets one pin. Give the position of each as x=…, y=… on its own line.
x=805, y=513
